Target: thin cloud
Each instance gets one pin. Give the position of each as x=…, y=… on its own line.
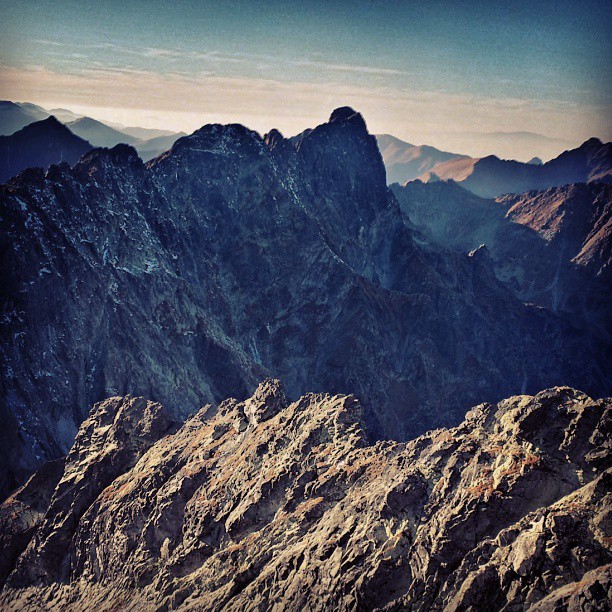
x=349, y=68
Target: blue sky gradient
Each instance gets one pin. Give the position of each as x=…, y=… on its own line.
x=425, y=71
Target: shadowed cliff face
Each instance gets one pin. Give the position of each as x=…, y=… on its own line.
x=233, y=257
x=267, y=503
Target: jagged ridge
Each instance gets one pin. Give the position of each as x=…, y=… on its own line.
x=264, y=503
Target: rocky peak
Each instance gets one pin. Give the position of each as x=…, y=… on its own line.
x=273, y=139
x=39, y=144
x=110, y=442
x=221, y=138
x=345, y=114
x=267, y=401
x=120, y=155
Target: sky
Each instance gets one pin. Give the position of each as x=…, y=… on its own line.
x=457, y=75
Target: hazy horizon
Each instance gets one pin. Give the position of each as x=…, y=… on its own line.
x=435, y=74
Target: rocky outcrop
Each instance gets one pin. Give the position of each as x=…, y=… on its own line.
x=109, y=443
x=234, y=257
x=294, y=509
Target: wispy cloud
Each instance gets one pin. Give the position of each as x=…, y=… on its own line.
x=348, y=68
x=261, y=61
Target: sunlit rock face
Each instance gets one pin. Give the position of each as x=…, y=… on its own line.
x=295, y=509
x=234, y=257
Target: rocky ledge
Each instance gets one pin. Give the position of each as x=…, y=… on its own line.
x=266, y=504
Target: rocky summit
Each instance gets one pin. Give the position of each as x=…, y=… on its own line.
x=234, y=257
x=272, y=505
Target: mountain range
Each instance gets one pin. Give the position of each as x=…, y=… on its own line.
x=233, y=257
x=490, y=176
x=487, y=177
x=427, y=448
x=149, y=142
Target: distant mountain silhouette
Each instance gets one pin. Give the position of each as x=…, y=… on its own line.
x=64, y=115
x=156, y=146
x=39, y=144
x=490, y=176
x=145, y=133
x=405, y=161
x=14, y=116
x=510, y=144
x=100, y=134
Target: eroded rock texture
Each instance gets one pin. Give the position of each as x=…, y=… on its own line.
x=234, y=257
x=266, y=504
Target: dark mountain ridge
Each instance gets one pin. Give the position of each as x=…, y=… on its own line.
x=232, y=257
x=14, y=116
x=39, y=145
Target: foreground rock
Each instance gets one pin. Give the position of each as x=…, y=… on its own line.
x=264, y=504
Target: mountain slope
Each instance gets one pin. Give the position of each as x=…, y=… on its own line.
x=490, y=176
x=575, y=218
x=156, y=146
x=146, y=133
x=550, y=247
x=233, y=257
x=266, y=503
x=405, y=162
x=100, y=134
x=39, y=145
x=15, y=116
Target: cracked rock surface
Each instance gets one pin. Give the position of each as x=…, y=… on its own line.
x=295, y=509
